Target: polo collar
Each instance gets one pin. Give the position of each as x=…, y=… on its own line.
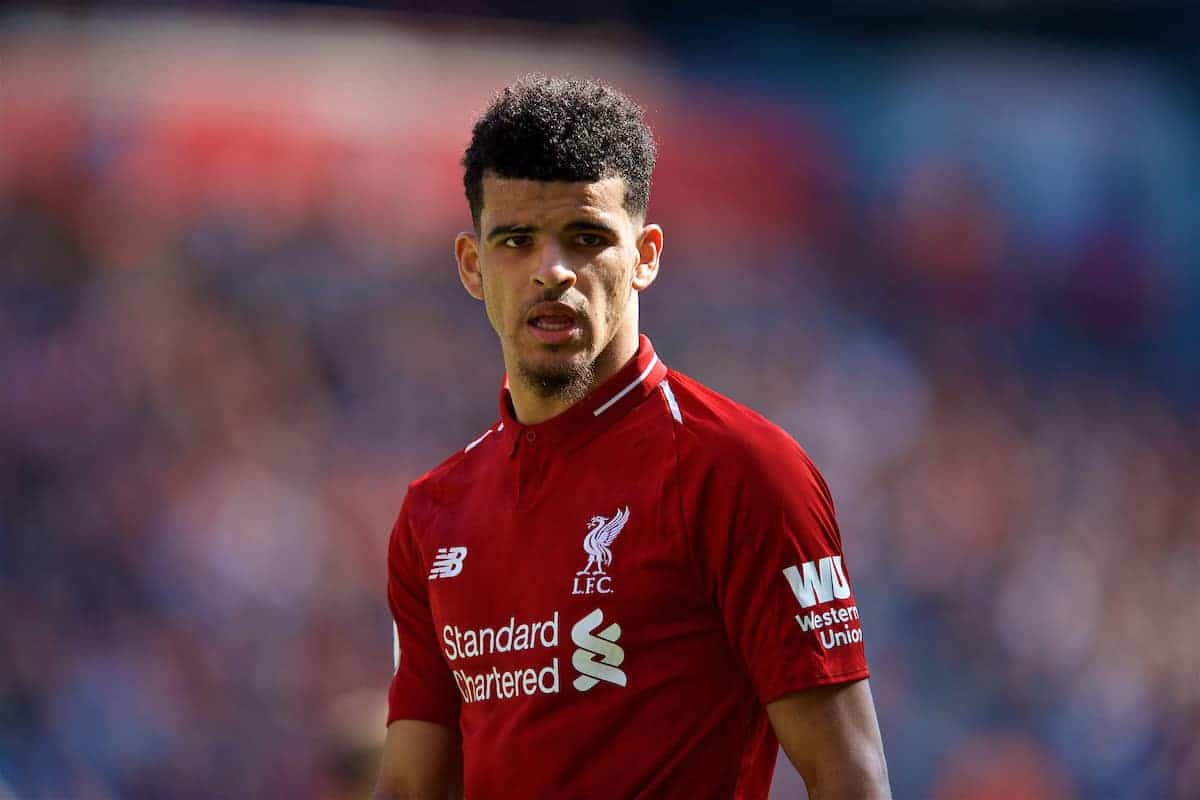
x=596, y=412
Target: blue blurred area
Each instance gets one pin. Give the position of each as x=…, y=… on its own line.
x=962, y=272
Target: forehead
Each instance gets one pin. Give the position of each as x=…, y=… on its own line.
x=518, y=201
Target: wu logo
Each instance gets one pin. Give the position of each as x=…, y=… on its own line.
x=602, y=532
x=448, y=562
x=598, y=655
x=819, y=582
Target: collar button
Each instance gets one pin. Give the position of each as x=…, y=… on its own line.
x=530, y=436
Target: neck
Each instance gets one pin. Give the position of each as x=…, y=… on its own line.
x=531, y=407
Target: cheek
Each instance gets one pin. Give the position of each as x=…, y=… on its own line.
x=491, y=305
x=616, y=293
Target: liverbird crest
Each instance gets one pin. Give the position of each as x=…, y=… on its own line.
x=602, y=531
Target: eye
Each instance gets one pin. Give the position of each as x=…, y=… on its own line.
x=515, y=241
x=589, y=240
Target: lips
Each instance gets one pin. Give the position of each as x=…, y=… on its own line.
x=552, y=323
x=552, y=315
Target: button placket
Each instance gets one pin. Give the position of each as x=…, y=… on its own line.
x=531, y=466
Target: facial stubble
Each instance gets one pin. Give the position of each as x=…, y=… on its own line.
x=568, y=381
x=572, y=379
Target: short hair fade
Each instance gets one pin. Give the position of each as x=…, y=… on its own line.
x=561, y=129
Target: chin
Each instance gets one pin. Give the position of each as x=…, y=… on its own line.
x=557, y=357
x=558, y=371
x=574, y=348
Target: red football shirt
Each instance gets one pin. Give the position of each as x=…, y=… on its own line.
x=602, y=603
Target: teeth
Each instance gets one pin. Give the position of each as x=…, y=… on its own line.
x=552, y=323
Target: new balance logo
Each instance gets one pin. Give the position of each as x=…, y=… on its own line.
x=602, y=646
x=448, y=562
x=818, y=581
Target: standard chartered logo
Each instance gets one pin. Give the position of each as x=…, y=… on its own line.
x=500, y=662
x=598, y=655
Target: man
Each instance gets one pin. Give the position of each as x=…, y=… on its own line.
x=628, y=586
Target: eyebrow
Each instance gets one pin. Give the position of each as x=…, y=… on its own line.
x=589, y=225
x=509, y=230
x=570, y=227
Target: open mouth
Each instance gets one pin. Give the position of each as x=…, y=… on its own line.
x=557, y=323
x=552, y=323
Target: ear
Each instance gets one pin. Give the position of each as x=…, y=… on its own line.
x=650, y=245
x=466, y=252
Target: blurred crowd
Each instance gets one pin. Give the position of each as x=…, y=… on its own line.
x=221, y=371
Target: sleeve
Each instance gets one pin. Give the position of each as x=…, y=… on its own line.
x=423, y=687
x=770, y=554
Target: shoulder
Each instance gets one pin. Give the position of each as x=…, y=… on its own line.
x=454, y=476
x=718, y=433
x=745, y=482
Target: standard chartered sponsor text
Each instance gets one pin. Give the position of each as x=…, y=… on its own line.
x=497, y=685
x=513, y=636
x=510, y=637
x=812, y=621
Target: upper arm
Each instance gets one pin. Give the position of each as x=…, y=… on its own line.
x=421, y=761
x=422, y=752
x=423, y=688
x=831, y=736
x=770, y=554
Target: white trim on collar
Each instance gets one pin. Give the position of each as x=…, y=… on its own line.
x=671, y=404
x=486, y=434
x=627, y=389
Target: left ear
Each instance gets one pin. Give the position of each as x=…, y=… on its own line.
x=650, y=245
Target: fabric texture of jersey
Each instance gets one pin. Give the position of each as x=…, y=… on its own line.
x=603, y=603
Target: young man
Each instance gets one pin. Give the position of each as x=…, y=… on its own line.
x=628, y=586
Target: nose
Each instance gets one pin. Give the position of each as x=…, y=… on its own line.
x=552, y=270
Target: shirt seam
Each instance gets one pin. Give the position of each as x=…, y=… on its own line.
x=688, y=535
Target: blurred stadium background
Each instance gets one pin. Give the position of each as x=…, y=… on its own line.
x=953, y=252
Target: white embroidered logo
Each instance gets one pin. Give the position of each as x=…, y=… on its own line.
x=602, y=646
x=602, y=531
x=448, y=562
x=815, y=583
x=820, y=581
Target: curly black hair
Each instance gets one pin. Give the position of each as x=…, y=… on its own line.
x=561, y=129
